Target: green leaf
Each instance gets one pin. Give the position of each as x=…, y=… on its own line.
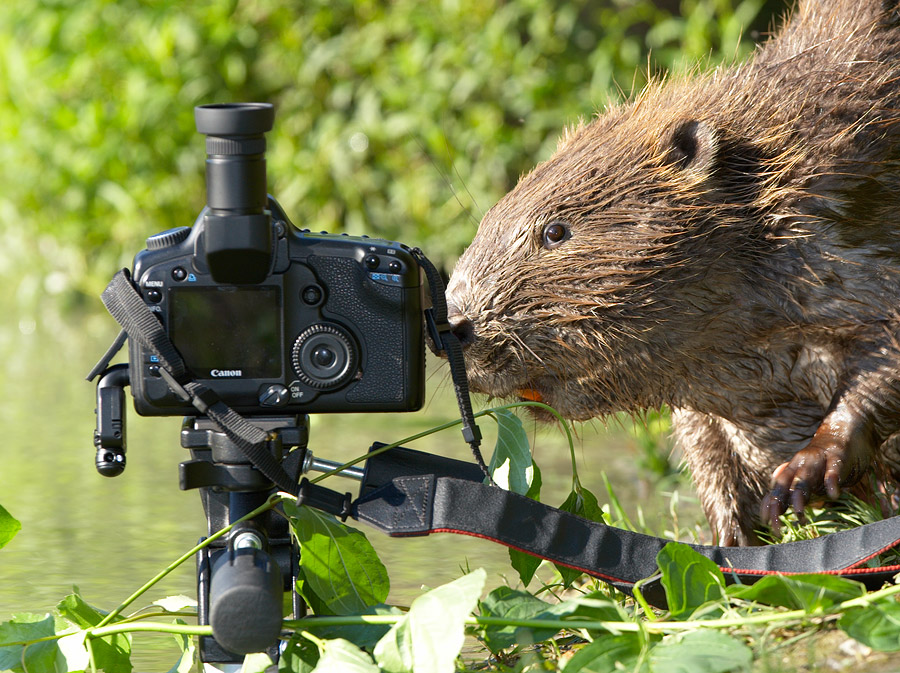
x=111, y=653
x=256, y=663
x=511, y=604
x=176, y=603
x=514, y=605
x=73, y=652
x=342, y=656
x=876, y=626
x=338, y=562
x=594, y=606
x=526, y=564
x=300, y=655
x=363, y=635
x=304, y=588
x=9, y=526
x=798, y=592
x=428, y=639
x=74, y=608
x=609, y=654
x=583, y=503
x=690, y=579
x=27, y=628
x=703, y=651
x=511, y=465
x=186, y=644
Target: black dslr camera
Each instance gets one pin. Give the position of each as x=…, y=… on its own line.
x=275, y=320
x=245, y=325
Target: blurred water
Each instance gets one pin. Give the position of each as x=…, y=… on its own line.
x=108, y=536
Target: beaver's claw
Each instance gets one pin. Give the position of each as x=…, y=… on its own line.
x=841, y=449
x=812, y=471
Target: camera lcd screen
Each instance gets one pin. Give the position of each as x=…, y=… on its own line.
x=228, y=332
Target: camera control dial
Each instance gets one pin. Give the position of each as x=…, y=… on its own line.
x=170, y=237
x=324, y=356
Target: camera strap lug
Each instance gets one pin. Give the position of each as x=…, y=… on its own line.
x=175, y=387
x=324, y=499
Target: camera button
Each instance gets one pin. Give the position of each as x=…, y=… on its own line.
x=311, y=295
x=178, y=273
x=154, y=296
x=275, y=395
x=371, y=262
x=395, y=266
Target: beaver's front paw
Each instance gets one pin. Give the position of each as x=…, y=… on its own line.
x=840, y=451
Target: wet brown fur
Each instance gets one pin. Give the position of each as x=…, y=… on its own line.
x=734, y=253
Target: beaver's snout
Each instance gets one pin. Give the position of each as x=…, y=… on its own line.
x=460, y=325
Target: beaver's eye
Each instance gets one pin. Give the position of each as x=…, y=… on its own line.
x=555, y=233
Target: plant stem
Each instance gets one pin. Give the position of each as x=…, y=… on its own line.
x=184, y=557
x=450, y=424
x=149, y=627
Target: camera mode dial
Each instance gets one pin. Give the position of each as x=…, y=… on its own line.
x=324, y=356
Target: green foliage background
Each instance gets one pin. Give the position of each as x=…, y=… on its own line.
x=403, y=119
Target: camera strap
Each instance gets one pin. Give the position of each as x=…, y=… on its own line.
x=453, y=500
x=443, y=340
x=126, y=305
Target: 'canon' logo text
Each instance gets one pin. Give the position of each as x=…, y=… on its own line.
x=221, y=373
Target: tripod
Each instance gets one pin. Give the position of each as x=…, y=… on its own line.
x=249, y=570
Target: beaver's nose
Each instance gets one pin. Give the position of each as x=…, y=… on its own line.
x=460, y=325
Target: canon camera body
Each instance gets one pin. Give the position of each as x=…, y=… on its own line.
x=275, y=320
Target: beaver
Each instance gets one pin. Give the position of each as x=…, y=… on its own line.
x=727, y=244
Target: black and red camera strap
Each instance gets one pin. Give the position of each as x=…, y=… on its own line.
x=422, y=504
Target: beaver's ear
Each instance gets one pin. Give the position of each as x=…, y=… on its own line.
x=730, y=168
x=693, y=146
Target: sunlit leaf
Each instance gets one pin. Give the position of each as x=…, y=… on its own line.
x=511, y=465
x=257, y=662
x=690, y=579
x=176, y=603
x=338, y=562
x=876, y=625
x=342, y=656
x=429, y=638
x=111, y=653
x=799, y=592
x=73, y=653
x=9, y=526
x=704, y=651
x=186, y=644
